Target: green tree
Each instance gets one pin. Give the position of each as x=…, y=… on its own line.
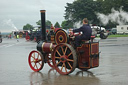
x=67, y=24
x=27, y=27
x=48, y=23
x=125, y=5
x=38, y=22
x=116, y=4
x=57, y=25
x=80, y=9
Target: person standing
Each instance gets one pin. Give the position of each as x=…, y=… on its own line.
x=17, y=38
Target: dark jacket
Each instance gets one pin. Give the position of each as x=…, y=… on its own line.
x=86, y=30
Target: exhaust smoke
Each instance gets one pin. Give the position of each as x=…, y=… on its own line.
x=120, y=17
x=10, y=23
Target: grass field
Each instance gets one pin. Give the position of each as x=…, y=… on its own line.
x=118, y=35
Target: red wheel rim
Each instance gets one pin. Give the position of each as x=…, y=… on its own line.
x=36, y=61
x=49, y=60
x=64, y=59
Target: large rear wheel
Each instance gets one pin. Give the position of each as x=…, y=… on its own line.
x=36, y=60
x=64, y=58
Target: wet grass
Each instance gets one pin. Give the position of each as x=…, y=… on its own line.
x=117, y=35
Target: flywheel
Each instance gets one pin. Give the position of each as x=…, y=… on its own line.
x=61, y=36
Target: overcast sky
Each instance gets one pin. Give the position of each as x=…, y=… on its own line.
x=14, y=14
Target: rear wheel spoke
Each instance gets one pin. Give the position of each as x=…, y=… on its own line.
x=69, y=65
x=70, y=60
x=65, y=68
x=58, y=53
x=69, y=54
x=65, y=50
x=62, y=50
x=57, y=57
x=58, y=63
x=62, y=67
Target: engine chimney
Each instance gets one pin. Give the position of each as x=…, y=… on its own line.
x=43, y=25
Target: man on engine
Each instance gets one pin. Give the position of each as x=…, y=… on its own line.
x=86, y=32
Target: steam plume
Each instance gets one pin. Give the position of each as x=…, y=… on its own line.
x=10, y=23
x=120, y=17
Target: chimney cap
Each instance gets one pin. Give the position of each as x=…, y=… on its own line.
x=42, y=11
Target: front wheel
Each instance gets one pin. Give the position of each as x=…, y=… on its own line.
x=36, y=61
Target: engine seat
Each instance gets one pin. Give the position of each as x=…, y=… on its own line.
x=87, y=41
x=92, y=37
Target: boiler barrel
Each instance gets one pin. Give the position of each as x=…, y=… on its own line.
x=45, y=47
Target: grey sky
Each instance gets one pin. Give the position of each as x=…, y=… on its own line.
x=14, y=14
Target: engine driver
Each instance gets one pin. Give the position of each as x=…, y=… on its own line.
x=86, y=32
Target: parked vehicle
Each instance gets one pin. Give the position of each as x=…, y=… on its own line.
x=0, y=38
x=101, y=31
x=122, y=29
x=114, y=31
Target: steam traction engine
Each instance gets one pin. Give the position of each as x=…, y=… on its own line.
x=61, y=54
x=0, y=38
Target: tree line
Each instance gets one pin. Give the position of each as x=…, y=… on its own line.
x=79, y=9
x=48, y=25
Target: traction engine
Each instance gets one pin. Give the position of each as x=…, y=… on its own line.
x=0, y=37
x=60, y=53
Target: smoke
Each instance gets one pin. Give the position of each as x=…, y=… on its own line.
x=10, y=23
x=77, y=25
x=120, y=17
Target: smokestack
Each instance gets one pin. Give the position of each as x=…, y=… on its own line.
x=43, y=25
